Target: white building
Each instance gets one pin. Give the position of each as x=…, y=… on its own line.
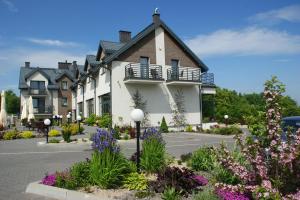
x=156, y=63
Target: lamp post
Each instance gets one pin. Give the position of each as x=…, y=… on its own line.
x=137, y=115
x=47, y=123
x=60, y=118
x=68, y=117
x=78, y=121
x=226, y=119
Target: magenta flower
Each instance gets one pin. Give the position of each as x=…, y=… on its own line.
x=49, y=180
x=201, y=180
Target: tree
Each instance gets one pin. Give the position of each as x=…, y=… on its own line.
x=140, y=103
x=289, y=107
x=178, y=110
x=12, y=102
x=163, y=126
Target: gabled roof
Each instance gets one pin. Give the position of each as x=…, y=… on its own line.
x=65, y=73
x=91, y=60
x=39, y=70
x=144, y=33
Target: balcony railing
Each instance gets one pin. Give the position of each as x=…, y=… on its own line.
x=143, y=72
x=43, y=110
x=33, y=91
x=208, y=79
x=188, y=74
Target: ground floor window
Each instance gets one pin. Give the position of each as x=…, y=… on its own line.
x=64, y=101
x=80, y=109
x=208, y=107
x=104, y=104
x=90, y=106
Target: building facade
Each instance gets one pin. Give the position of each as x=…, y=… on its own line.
x=156, y=65
x=48, y=87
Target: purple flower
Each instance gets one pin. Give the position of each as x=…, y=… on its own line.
x=228, y=195
x=104, y=139
x=152, y=133
x=201, y=180
x=49, y=180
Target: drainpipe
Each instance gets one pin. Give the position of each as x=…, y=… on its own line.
x=94, y=80
x=82, y=86
x=110, y=94
x=200, y=104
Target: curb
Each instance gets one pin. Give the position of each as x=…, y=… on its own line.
x=59, y=193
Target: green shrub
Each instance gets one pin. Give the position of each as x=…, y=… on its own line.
x=230, y=130
x=91, y=120
x=108, y=168
x=26, y=135
x=163, y=126
x=135, y=181
x=66, y=133
x=153, y=157
x=203, y=159
x=105, y=121
x=189, y=128
x=65, y=180
x=53, y=140
x=80, y=172
x=10, y=135
x=170, y=194
x=126, y=137
x=75, y=129
x=54, y=133
x=116, y=132
x=186, y=157
x=144, y=194
x=206, y=194
x=222, y=175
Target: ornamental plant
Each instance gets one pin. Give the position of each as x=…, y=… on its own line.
x=273, y=164
x=26, y=134
x=49, y=179
x=136, y=181
x=154, y=151
x=108, y=166
x=163, y=126
x=54, y=133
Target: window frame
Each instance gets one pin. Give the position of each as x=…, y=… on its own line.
x=64, y=101
x=62, y=85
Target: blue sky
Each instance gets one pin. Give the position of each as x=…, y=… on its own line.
x=242, y=42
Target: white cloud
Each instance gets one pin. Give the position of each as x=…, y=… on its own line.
x=49, y=42
x=10, y=5
x=247, y=41
x=288, y=13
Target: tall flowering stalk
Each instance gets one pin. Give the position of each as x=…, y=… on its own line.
x=104, y=139
x=274, y=171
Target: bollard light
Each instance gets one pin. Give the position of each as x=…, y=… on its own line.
x=137, y=115
x=78, y=121
x=47, y=123
x=68, y=117
x=226, y=119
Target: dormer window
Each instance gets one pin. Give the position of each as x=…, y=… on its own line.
x=37, y=85
x=64, y=85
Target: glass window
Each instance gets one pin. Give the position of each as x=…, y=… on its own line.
x=35, y=102
x=64, y=85
x=90, y=106
x=105, y=107
x=64, y=101
x=38, y=85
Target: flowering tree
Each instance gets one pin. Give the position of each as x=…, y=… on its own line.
x=273, y=167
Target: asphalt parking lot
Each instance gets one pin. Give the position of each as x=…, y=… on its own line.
x=23, y=161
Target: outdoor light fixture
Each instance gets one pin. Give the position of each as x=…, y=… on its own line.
x=78, y=121
x=137, y=115
x=47, y=123
x=68, y=117
x=226, y=119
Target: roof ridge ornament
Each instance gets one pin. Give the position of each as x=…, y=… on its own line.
x=156, y=11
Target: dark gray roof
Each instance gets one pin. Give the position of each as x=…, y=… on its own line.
x=52, y=74
x=110, y=47
x=144, y=33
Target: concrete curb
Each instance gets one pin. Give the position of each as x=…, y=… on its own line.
x=59, y=193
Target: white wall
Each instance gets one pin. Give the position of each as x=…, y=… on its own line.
x=160, y=46
x=159, y=98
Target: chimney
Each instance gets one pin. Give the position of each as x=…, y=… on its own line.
x=27, y=64
x=124, y=36
x=156, y=16
x=64, y=65
x=74, y=63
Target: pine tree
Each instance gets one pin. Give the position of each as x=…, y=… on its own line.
x=163, y=126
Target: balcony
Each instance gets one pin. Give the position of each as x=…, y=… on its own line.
x=208, y=79
x=144, y=74
x=33, y=91
x=183, y=76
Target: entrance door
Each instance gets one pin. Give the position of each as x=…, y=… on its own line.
x=175, y=69
x=144, y=62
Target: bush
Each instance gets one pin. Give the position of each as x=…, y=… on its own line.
x=186, y=157
x=203, y=159
x=126, y=137
x=205, y=194
x=108, y=165
x=53, y=140
x=135, y=181
x=153, y=151
x=230, y=130
x=105, y=121
x=66, y=133
x=65, y=180
x=54, y=133
x=80, y=172
x=91, y=120
x=10, y=135
x=163, y=126
x=75, y=129
x=117, y=132
x=170, y=194
x=182, y=180
x=26, y=135
x=1, y=134
x=223, y=175
x=189, y=128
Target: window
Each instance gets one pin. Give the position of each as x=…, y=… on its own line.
x=105, y=104
x=37, y=85
x=80, y=109
x=64, y=101
x=144, y=61
x=64, y=85
x=175, y=68
x=90, y=106
x=38, y=105
x=35, y=102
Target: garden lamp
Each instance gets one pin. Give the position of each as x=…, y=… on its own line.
x=226, y=119
x=137, y=115
x=78, y=121
x=47, y=123
x=68, y=117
